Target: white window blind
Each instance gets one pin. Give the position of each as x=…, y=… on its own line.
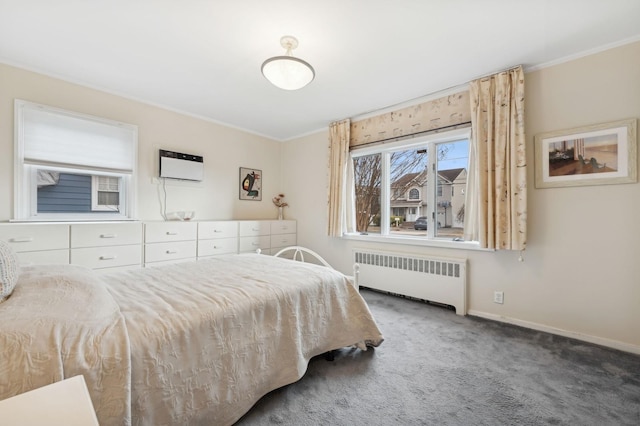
x=57, y=150
x=56, y=138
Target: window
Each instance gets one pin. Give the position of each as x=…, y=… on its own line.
x=435, y=166
x=71, y=166
x=105, y=193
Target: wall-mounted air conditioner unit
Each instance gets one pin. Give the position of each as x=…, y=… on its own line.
x=176, y=165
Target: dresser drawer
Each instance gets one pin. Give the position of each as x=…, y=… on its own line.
x=251, y=244
x=222, y=229
x=283, y=240
x=283, y=227
x=107, y=234
x=34, y=237
x=170, y=231
x=252, y=228
x=48, y=257
x=161, y=252
x=107, y=257
x=217, y=246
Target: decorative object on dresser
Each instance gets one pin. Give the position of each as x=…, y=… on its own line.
x=279, y=202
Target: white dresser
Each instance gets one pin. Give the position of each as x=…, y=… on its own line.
x=106, y=245
x=167, y=242
x=109, y=245
x=38, y=243
x=254, y=235
x=217, y=237
x=283, y=234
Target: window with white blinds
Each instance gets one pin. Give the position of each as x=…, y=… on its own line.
x=72, y=166
x=105, y=193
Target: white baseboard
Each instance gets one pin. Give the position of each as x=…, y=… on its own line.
x=626, y=347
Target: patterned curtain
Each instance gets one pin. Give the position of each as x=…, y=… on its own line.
x=341, y=192
x=497, y=163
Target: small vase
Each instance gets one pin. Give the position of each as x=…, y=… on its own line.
x=280, y=213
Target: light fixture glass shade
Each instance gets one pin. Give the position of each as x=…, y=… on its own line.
x=287, y=72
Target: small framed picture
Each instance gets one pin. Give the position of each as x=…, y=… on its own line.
x=250, y=184
x=593, y=155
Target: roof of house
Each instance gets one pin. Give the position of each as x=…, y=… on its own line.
x=451, y=174
x=408, y=179
x=420, y=177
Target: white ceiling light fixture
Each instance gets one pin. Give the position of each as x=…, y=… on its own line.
x=287, y=72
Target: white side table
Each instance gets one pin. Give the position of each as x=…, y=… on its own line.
x=64, y=403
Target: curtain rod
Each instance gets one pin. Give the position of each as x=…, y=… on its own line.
x=414, y=135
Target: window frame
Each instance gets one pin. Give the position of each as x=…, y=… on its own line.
x=95, y=190
x=25, y=172
x=385, y=149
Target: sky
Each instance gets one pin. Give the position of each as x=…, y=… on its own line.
x=457, y=156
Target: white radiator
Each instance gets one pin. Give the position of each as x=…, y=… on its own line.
x=436, y=279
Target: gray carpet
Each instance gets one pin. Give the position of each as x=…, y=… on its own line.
x=437, y=368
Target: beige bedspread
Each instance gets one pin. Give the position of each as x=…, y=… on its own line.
x=59, y=322
x=207, y=338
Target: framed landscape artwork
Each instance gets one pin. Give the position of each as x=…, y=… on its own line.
x=250, y=184
x=593, y=155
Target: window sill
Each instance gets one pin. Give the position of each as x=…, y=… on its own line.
x=413, y=241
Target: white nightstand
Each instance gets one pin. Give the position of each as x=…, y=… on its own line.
x=64, y=403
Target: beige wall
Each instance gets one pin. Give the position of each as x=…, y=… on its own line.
x=581, y=272
x=225, y=150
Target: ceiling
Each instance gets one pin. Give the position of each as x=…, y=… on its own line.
x=203, y=58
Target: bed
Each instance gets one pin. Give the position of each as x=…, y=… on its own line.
x=190, y=343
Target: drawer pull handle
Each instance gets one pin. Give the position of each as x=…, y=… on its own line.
x=217, y=230
x=108, y=235
x=107, y=257
x=255, y=244
x=171, y=251
x=172, y=233
x=21, y=240
x=254, y=229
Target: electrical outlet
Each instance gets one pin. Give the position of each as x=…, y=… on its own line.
x=498, y=297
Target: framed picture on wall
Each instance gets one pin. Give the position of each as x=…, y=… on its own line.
x=593, y=155
x=250, y=184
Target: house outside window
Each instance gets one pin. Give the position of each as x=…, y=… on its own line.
x=408, y=168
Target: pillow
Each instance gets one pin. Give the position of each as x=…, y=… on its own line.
x=9, y=270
